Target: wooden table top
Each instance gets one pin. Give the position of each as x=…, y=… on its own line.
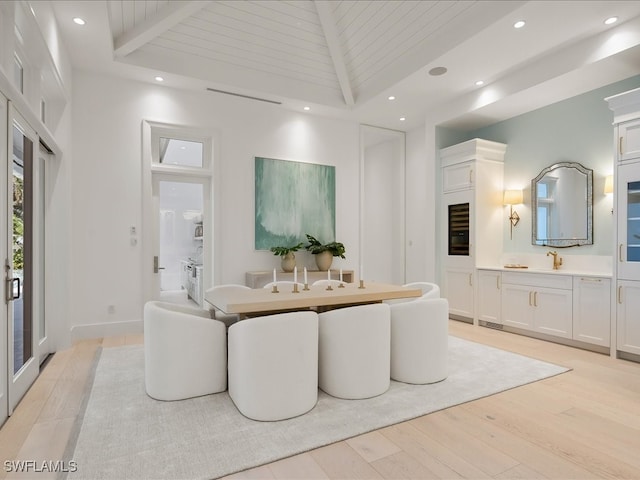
x=263, y=300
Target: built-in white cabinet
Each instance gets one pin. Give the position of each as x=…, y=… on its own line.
x=592, y=310
x=538, y=302
x=489, y=290
x=628, y=316
x=459, y=291
x=628, y=141
x=568, y=307
x=472, y=178
x=626, y=112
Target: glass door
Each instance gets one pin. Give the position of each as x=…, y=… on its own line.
x=19, y=267
x=628, y=194
x=4, y=248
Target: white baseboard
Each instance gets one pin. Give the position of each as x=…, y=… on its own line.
x=110, y=329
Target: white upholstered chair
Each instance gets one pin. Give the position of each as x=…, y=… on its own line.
x=354, y=351
x=326, y=282
x=419, y=341
x=185, y=352
x=227, y=318
x=273, y=365
x=429, y=290
x=284, y=285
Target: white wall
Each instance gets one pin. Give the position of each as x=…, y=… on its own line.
x=106, y=193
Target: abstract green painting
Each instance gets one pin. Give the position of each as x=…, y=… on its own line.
x=292, y=199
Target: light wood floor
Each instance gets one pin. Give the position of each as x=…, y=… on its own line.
x=579, y=425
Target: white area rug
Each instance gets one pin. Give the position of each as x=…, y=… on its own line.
x=127, y=435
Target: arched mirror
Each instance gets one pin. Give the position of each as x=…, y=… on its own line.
x=562, y=206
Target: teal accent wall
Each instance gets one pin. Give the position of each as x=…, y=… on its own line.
x=578, y=129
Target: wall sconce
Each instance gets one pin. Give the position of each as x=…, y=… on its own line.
x=608, y=187
x=608, y=184
x=511, y=198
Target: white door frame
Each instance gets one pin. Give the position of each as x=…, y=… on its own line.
x=19, y=383
x=151, y=166
x=4, y=248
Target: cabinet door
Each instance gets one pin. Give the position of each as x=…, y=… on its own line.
x=628, y=318
x=457, y=177
x=553, y=311
x=517, y=306
x=459, y=291
x=489, y=296
x=592, y=310
x=628, y=194
x=458, y=229
x=629, y=140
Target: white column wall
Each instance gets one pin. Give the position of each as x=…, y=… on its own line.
x=106, y=193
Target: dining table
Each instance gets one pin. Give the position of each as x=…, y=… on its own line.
x=264, y=301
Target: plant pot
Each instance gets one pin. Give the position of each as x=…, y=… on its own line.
x=288, y=262
x=324, y=260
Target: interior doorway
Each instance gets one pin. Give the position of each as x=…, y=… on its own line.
x=178, y=214
x=382, y=203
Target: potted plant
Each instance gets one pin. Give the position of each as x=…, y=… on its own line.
x=288, y=262
x=324, y=253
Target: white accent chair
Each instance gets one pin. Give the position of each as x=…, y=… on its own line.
x=354, y=351
x=185, y=352
x=284, y=285
x=420, y=341
x=326, y=282
x=429, y=290
x=227, y=318
x=273, y=365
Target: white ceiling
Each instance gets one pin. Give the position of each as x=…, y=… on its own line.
x=344, y=58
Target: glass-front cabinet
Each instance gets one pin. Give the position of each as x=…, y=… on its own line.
x=629, y=221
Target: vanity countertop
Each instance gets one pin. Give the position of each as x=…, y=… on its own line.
x=550, y=271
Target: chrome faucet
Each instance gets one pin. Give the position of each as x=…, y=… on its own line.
x=557, y=261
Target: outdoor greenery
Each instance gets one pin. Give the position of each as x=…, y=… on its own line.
x=18, y=224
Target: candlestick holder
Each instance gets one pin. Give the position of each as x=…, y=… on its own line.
x=361, y=284
x=306, y=286
x=341, y=285
x=295, y=288
x=275, y=289
x=329, y=287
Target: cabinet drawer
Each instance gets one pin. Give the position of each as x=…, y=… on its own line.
x=538, y=280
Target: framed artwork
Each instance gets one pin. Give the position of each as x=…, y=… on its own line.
x=291, y=200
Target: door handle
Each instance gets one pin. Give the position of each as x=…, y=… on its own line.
x=156, y=267
x=10, y=284
x=620, y=253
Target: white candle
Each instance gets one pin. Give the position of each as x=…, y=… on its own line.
x=328, y=274
x=295, y=274
x=305, y=276
x=274, y=275
x=361, y=273
x=340, y=275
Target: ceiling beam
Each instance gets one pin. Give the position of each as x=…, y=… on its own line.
x=154, y=26
x=331, y=35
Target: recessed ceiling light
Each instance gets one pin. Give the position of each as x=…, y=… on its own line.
x=307, y=108
x=519, y=24
x=79, y=21
x=610, y=20
x=435, y=71
x=391, y=97
x=159, y=79
x=479, y=82
x=402, y=119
